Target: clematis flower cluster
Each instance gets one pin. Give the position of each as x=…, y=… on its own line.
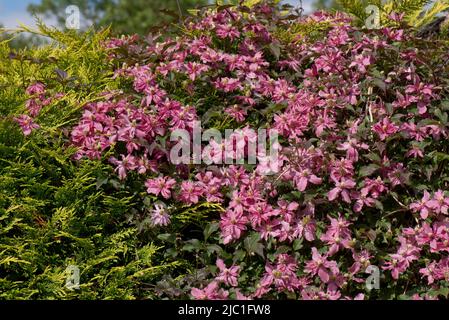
x=38, y=99
x=356, y=113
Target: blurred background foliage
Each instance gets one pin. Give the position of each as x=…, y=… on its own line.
x=125, y=16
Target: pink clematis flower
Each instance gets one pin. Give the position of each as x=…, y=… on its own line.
x=227, y=31
x=232, y=224
x=385, y=128
x=161, y=185
x=195, y=69
x=26, y=124
x=362, y=199
x=362, y=62
x=236, y=112
x=128, y=163
x=321, y=266
x=440, y=203
x=227, y=275
x=159, y=215
x=342, y=188
x=424, y=206
x=282, y=276
x=337, y=236
x=190, y=192
x=34, y=107
x=351, y=147
x=36, y=88
x=210, y=292
x=227, y=84
x=303, y=178
x=415, y=152
x=429, y=272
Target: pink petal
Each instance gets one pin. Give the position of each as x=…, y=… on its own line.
x=324, y=275
x=333, y=194
x=302, y=184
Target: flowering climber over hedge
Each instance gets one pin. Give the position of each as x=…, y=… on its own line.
x=362, y=122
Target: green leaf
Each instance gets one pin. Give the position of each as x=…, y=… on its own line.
x=211, y=248
x=253, y=245
x=275, y=50
x=297, y=194
x=297, y=244
x=442, y=116
x=210, y=228
x=442, y=291
x=239, y=255
x=445, y=105
x=373, y=157
x=171, y=252
x=192, y=245
x=101, y=181
x=368, y=170
x=379, y=205
x=168, y=237
x=438, y=157
x=283, y=249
